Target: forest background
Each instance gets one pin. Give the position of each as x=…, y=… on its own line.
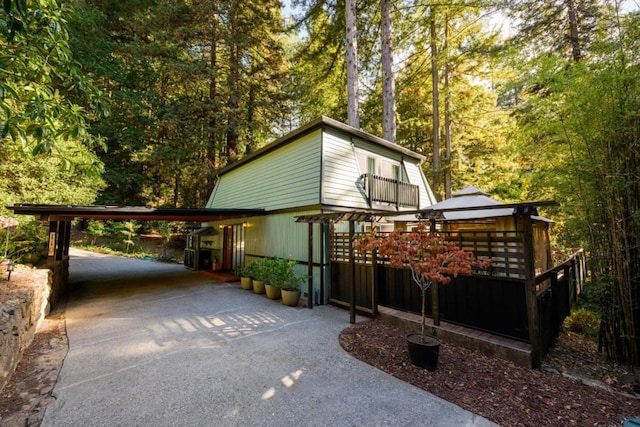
x=140, y=102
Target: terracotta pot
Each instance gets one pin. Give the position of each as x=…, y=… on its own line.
x=272, y=292
x=245, y=283
x=423, y=353
x=258, y=287
x=290, y=298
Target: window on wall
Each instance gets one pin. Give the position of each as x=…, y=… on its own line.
x=380, y=166
x=371, y=166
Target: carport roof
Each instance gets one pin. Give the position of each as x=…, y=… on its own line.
x=67, y=212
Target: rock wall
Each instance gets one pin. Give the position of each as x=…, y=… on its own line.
x=24, y=302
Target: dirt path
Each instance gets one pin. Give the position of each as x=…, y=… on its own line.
x=25, y=397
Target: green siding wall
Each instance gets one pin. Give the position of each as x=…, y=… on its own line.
x=278, y=235
x=341, y=179
x=285, y=178
x=416, y=177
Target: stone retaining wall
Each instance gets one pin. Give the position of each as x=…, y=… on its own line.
x=24, y=302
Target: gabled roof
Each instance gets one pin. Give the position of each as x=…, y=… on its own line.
x=467, y=204
x=319, y=123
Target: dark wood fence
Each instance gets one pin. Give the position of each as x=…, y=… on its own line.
x=494, y=303
x=554, y=303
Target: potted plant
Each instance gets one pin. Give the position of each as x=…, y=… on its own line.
x=272, y=291
x=431, y=259
x=260, y=275
x=285, y=278
x=246, y=276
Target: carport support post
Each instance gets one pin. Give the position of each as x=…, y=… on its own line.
x=310, y=269
x=352, y=271
x=533, y=317
x=53, y=241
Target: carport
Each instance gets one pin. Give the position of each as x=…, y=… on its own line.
x=59, y=219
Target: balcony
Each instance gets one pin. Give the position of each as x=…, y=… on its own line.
x=389, y=192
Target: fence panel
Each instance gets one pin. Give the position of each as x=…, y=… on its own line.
x=341, y=284
x=482, y=302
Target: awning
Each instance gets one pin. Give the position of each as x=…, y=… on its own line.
x=66, y=212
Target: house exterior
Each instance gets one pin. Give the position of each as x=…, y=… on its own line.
x=322, y=167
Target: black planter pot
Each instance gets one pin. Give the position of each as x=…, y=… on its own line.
x=423, y=354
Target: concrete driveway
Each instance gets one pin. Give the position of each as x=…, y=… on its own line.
x=157, y=345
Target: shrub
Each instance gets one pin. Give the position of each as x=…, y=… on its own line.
x=282, y=274
x=583, y=321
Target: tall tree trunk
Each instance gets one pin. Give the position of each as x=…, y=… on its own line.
x=251, y=142
x=437, y=171
x=213, y=143
x=447, y=113
x=576, y=53
x=353, y=114
x=388, y=83
x=233, y=80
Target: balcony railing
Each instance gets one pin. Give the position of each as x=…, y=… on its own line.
x=390, y=192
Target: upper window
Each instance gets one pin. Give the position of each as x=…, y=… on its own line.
x=380, y=166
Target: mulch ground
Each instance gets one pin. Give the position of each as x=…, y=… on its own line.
x=501, y=391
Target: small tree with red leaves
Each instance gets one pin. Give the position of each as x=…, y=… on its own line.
x=430, y=257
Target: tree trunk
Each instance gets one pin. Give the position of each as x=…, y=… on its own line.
x=576, y=53
x=436, y=106
x=388, y=83
x=234, y=77
x=213, y=144
x=447, y=113
x=353, y=115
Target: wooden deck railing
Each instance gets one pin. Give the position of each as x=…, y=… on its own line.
x=381, y=190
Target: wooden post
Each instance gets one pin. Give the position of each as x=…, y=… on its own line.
x=322, y=261
x=53, y=241
x=352, y=271
x=67, y=240
x=374, y=280
x=310, y=269
x=533, y=316
x=64, y=240
x=572, y=283
x=435, y=295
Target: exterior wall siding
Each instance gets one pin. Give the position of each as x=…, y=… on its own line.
x=285, y=178
x=416, y=177
x=278, y=235
x=341, y=175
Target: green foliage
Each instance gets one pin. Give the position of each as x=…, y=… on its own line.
x=583, y=321
x=165, y=229
x=191, y=84
x=278, y=272
x=125, y=231
x=96, y=229
x=578, y=135
x=259, y=270
x=282, y=274
x=27, y=242
x=43, y=180
x=44, y=98
x=593, y=295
